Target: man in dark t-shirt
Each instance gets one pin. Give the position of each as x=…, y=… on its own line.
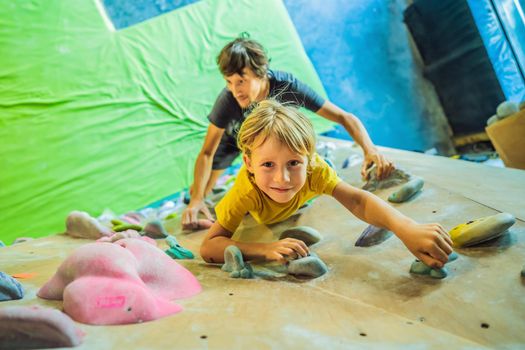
x=227, y=114
x=244, y=65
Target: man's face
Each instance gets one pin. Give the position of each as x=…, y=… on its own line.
x=247, y=88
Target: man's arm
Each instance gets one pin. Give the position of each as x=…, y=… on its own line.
x=357, y=130
x=201, y=176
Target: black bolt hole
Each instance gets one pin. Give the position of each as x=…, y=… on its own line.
x=485, y=325
x=362, y=334
x=204, y=336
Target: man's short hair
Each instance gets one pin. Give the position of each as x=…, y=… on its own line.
x=243, y=53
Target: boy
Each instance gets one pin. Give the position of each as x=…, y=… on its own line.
x=281, y=172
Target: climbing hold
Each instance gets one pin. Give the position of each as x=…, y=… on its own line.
x=33, y=327
x=124, y=227
x=117, y=222
x=481, y=230
x=407, y=191
x=373, y=235
x=396, y=177
x=420, y=268
x=10, y=289
x=235, y=265
x=155, y=229
x=310, y=266
x=176, y=251
x=80, y=224
x=306, y=234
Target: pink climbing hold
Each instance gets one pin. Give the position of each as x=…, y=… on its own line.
x=119, y=235
x=129, y=281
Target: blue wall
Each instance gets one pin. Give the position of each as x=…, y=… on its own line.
x=361, y=51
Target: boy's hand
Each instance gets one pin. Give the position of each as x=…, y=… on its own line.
x=284, y=250
x=430, y=243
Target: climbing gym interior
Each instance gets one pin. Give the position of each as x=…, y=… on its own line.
x=135, y=215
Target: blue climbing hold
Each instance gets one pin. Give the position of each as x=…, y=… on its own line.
x=10, y=289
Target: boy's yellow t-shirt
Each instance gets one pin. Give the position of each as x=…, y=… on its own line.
x=245, y=197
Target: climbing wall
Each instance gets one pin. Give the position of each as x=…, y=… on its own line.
x=367, y=299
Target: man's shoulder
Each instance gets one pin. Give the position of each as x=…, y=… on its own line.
x=226, y=97
x=225, y=109
x=281, y=76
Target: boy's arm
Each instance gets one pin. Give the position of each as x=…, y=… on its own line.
x=218, y=238
x=357, y=130
x=430, y=243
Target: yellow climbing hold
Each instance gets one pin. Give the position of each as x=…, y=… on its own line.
x=482, y=229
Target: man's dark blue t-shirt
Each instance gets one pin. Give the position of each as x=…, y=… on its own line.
x=227, y=114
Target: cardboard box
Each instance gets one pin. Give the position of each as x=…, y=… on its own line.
x=508, y=137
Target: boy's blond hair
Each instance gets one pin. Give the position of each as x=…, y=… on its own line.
x=287, y=124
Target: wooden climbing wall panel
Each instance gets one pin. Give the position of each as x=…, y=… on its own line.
x=368, y=298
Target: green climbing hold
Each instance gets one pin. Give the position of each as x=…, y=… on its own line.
x=117, y=222
x=171, y=216
x=176, y=251
x=124, y=227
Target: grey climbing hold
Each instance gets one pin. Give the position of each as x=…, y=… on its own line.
x=309, y=266
x=235, y=265
x=33, y=327
x=81, y=225
x=420, y=268
x=306, y=234
x=10, y=288
x=407, y=191
x=373, y=235
x=22, y=240
x=155, y=229
x=397, y=177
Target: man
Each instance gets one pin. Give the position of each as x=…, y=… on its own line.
x=244, y=65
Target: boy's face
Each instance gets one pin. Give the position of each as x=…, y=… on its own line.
x=247, y=88
x=277, y=170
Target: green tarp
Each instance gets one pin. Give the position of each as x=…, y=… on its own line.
x=92, y=118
